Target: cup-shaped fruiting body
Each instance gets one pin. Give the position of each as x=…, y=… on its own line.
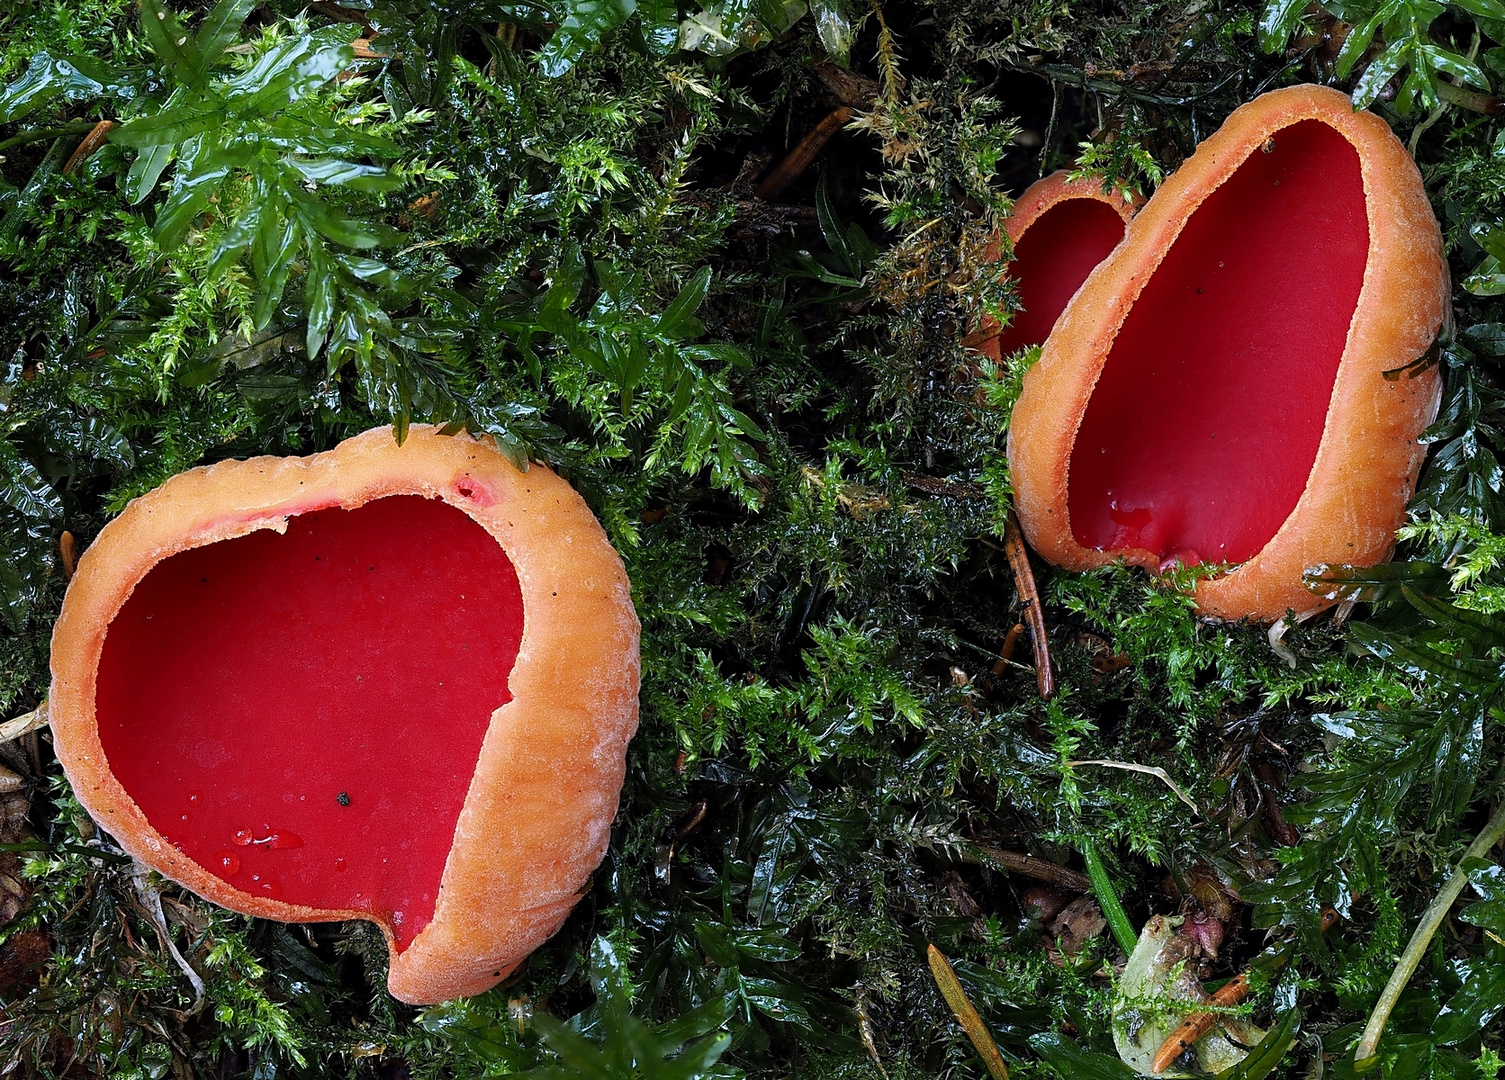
x=386, y=682
x=1226, y=388
x=1060, y=229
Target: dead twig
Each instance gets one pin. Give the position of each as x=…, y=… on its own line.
x=361, y=46
x=67, y=549
x=1029, y=600
x=934, y=485
x=341, y=14
x=966, y=1015
x=1029, y=866
x=26, y=722
x=692, y=820
x=848, y=87
x=798, y=160
x=1198, y=1024
x=91, y=142
x=1468, y=99
x=151, y=901
x=1006, y=653
x=979, y=338
x=1421, y=938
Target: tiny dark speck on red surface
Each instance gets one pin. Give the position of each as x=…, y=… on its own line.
x=184, y=706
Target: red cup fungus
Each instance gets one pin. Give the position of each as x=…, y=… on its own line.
x=1059, y=231
x=386, y=682
x=1225, y=387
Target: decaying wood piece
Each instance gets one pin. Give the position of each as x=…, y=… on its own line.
x=1029, y=866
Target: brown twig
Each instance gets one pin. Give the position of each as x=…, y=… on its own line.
x=934, y=485
x=340, y=14
x=1029, y=866
x=966, y=1015
x=693, y=817
x=24, y=724
x=1279, y=829
x=1468, y=99
x=1198, y=1024
x=91, y=142
x=979, y=338
x=848, y=87
x=1029, y=600
x=67, y=549
x=361, y=46
x=798, y=160
x=1010, y=642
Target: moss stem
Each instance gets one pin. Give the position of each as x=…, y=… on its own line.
x=1431, y=919
x=83, y=127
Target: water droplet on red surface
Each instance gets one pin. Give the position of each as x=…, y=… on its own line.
x=242, y=837
x=229, y=863
x=195, y=798
x=283, y=840
x=1136, y=518
x=339, y=865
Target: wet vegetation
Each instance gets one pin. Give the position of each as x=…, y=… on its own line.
x=578, y=226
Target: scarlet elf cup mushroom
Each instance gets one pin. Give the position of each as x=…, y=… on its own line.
x=386, y=682
x=1059, y=231
x=1226, y=387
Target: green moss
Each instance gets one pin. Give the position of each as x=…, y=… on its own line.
x=768, y=407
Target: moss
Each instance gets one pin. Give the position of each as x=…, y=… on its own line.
x=803, y=471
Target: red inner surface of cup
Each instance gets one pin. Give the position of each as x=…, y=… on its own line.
x=1202, y=430
x=301, y=714
x=1051, y=260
